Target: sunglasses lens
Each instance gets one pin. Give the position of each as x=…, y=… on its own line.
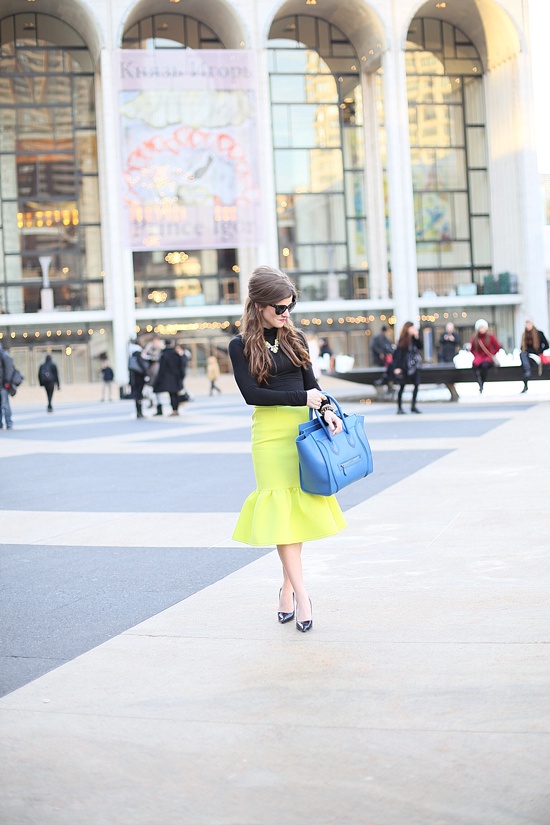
x=280, y=308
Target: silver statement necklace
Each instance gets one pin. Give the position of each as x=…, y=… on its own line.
x=274, y=347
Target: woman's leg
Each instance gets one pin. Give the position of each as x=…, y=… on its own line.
x=414, y=408
x=485, y=367
x=400, y=397
x=293, y=581
x=526, y=364
x=137, y=382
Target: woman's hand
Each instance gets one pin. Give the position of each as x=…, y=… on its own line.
x=333, y=421
x=314, y=399
x=397, y=371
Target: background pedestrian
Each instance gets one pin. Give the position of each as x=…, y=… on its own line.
x=407, y=361
x=151, y=353
x=382, y=353
x=107, y=377
x=533, y=344
x=6, y=372
x=484, y=347
x=213, y=373
x=49, y=379
x=171, y=374
x=449, y=342
x=137, y=369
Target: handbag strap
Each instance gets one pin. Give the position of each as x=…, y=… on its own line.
x=485, y=350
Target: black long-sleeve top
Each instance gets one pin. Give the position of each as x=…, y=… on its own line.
x=287, y=386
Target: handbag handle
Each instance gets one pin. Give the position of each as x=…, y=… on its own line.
x=322, y=421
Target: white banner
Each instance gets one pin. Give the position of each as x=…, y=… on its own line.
x=190, y=148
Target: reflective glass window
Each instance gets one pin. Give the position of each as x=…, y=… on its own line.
x=288, y=89
x=317, y=112
x=50, y=209
x=448, y=154
x=168, y=31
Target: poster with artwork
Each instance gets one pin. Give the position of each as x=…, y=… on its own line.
x=189, y=141
x=436, y=217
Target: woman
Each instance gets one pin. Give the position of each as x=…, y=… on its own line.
x=407, y=360
x=48, y=378
x=483, y=347
x=213, y=373
x=273, y=371
x=107, y=378
x=533, y=344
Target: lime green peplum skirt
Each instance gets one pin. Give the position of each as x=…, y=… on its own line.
x=278, y=511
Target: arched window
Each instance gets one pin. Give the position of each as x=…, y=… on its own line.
x=49, y=226
x=449, y=159
x=170, y=31
x=317, y=116
x=190, y=277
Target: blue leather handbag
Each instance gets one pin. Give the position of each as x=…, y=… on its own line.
x=330, y=462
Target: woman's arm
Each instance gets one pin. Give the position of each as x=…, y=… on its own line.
x=310, y=382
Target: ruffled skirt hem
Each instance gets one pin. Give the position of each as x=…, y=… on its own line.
x=287, y=516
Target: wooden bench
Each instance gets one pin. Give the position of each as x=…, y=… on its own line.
x=446, y=374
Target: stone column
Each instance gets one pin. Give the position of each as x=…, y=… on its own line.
x=118, y=263
x=374, y=188
x=516, y=207
x=400, y=191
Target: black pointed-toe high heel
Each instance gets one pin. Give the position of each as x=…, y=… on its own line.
x=303, y=627
x=286, y=617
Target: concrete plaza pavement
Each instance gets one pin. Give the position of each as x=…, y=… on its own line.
x=421, y=697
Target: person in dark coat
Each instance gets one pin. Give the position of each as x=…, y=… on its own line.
x=6, y=372
x=381, y=348
x=449, y=341
x=49, y=379
x=137, y=370
x=407, y=361
x=170, y=376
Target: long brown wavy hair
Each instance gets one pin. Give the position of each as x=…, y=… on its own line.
x=266, y=286
x=530, y=336
x=405, y=335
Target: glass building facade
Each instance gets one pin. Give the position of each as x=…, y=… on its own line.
x=393, y=184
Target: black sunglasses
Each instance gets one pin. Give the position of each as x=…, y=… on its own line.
x=280, y=308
